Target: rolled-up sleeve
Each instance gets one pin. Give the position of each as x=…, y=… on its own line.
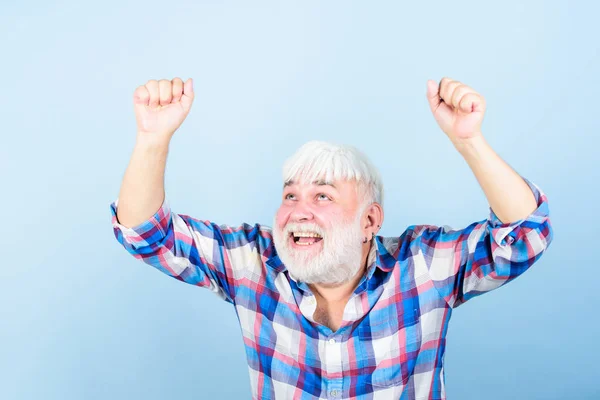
x=146, y=234
x=197, y=252
x=468, y=262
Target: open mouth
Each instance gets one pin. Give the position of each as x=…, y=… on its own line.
x=305, y=238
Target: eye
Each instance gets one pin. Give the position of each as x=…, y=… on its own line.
x=323, y=196
x=289, y=196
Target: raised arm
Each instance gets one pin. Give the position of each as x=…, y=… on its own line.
x=160, y=108
x=465, y=263
x=459, y=111
x=194, y=251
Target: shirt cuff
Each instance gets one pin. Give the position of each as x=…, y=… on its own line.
x=146, y=233
x=505, y=234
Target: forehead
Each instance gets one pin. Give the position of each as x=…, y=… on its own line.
x=340, y=185
x=347, y=189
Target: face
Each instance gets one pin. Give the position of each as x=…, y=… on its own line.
x=317, y=231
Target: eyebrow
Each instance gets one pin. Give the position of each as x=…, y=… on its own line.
x=318, y=183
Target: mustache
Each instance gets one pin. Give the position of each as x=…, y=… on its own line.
x=305, y=227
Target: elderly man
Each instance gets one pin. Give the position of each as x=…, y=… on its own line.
x=329, y=309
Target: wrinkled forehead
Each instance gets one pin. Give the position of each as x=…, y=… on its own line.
x=349, y=187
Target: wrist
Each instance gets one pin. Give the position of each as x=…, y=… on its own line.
x=148, y=142
x=470, y=146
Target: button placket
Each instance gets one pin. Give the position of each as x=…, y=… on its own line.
x=333, y=366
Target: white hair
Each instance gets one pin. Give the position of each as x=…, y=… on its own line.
x=317, y=160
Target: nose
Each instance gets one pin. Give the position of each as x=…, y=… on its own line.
x=301, y=213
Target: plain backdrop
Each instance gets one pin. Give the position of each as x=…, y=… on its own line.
x=81, y=319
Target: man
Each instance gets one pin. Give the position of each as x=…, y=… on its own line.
x=328, y=309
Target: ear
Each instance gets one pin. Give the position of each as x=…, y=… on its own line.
x=372, y=219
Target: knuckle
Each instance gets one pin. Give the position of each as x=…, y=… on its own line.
x=460, y=90
x=177, y=87
x=152, y=88
x=467, y=90
x=141, y=92
x=452, y=88
x=165, y=96
x=165, y=90
x=164, y=84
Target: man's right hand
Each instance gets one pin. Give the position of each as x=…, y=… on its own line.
x=160, y=108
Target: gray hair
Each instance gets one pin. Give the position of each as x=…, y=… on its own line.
x=317, y=160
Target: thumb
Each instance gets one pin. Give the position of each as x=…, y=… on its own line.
x=433, y=95
x=188, y=95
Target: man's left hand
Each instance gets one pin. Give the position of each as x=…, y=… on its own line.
x=457, y=108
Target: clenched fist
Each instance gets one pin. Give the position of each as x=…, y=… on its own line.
x=160, y=108
x=457, y=108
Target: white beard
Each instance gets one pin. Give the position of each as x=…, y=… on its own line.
x=338, y=261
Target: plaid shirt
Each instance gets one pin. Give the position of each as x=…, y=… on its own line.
x=393, y=335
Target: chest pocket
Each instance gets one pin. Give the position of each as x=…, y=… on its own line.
x=389, y=348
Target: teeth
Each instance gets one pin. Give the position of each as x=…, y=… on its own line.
x=307, y=234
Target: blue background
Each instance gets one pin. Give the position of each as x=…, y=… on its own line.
x=81, y=319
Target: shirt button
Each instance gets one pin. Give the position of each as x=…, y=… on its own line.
x=334, y=393
x=331, y=341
